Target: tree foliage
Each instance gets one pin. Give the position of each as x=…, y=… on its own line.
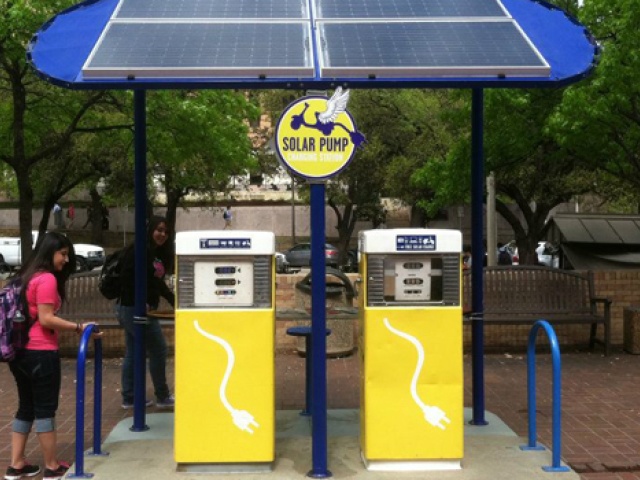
x=40, y=125
x=533, y=171
x=599, y=120
x=197, y=141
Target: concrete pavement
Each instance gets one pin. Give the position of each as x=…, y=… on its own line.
x=601, y=417
x=491, y=453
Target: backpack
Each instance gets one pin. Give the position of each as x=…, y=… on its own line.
x=504, y=258
x=14, y=321
x=109, y=283
x=226, y=215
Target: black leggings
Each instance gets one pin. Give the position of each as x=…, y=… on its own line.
x=38, y=377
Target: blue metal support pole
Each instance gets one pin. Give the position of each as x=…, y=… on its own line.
x=140, y=308
x=318, y=335
x=477, y=255
x=556, y=419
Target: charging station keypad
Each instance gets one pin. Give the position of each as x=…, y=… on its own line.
x=223, y=282
x=421, y=279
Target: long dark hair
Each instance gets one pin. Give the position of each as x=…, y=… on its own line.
x=41, y=260
x=163, y=252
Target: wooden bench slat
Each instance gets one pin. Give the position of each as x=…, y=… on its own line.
x=523, y=294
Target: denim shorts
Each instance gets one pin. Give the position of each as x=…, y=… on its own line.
x=38, y=378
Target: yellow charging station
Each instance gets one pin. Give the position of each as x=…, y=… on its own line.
x=225, y=328
x=411, y=349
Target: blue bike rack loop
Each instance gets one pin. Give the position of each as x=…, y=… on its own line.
x=80, y=401
x=556, y=425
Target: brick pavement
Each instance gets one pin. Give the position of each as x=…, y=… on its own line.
x=601, y=404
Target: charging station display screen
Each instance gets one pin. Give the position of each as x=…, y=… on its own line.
x=415, y=280
x=227, y=282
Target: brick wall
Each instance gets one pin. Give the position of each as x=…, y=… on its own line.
x=623, y=288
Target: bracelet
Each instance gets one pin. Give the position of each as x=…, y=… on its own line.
x=78, y=328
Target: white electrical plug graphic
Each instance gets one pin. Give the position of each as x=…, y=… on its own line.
x=241, y=418
x=432, y=414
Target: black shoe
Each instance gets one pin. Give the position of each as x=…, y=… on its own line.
x=56, y=474
x=126, y=405
x=18, y=473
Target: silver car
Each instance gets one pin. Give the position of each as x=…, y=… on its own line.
x=300, y=255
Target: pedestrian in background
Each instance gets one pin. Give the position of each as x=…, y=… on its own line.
x=57, y=216
x=228, y=217
x=37, y=369
x=89, y=217
x=71, y=215
x=158, y=253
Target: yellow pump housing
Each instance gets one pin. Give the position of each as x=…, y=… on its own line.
x=411, y=349
x=225, y=327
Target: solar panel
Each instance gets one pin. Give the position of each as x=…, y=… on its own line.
x=417, y=49
x=213, y=9
x=272, y=38
x=407, y=8
x=227, y=49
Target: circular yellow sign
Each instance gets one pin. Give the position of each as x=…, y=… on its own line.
x=312, y=142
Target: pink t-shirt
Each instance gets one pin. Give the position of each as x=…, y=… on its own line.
x=43, y=288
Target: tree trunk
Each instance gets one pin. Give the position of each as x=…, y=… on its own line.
x=25, y=214
x=418, y=218
x=96, y=216
x=173, y=200
x=345, y=227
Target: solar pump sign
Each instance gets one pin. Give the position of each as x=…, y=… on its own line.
x=317, y=137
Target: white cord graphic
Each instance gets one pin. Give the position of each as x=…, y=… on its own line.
x=241, y=418
x=432, y=414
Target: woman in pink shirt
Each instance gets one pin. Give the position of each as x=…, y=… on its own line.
x=37, y=370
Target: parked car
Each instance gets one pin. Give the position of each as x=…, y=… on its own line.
x=300, y=255
x=4, y=266
x=282, y=265
x=87, y=256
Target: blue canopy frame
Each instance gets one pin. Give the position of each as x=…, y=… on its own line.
x=60, y=48
x=58, y=51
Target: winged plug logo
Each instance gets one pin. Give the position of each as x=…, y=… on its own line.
x=317, y=137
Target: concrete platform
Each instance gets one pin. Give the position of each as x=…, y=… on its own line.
x=491, y=453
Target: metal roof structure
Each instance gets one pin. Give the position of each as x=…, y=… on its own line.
x=597, y=241
x=304, y=45
x=311, y=44
x=595, y=229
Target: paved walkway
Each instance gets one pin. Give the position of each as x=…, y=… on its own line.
x=601, y=404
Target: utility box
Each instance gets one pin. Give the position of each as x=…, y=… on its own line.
x=225, y=329
x=410, y=348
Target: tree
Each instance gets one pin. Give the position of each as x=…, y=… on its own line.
x=403, y=130
x=533, y=171
x=599, y=120
x=39, y=122
x=197, y=141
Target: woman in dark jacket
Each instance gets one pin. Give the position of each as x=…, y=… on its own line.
x=157, y=260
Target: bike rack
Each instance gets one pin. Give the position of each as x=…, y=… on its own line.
x=556, y=425
x=80, y=401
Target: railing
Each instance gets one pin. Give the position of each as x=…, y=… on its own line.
x=556, y=425
x=80, y=401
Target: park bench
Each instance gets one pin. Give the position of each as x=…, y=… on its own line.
x=515, y=295
x=85, y=303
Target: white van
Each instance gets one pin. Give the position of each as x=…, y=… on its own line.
x=87, y=256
